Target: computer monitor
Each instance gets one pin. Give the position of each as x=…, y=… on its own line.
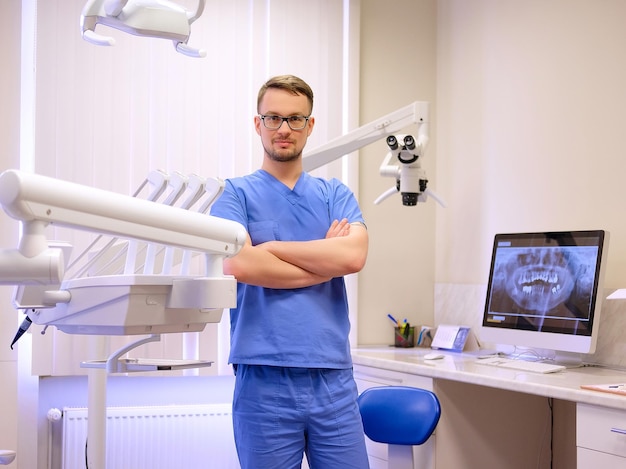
x=545, y=290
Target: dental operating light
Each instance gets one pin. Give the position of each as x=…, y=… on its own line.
x=149, y=18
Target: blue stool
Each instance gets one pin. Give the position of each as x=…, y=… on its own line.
x=401, y=417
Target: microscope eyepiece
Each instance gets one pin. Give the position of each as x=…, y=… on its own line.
x=392, y=142
x=409, y=142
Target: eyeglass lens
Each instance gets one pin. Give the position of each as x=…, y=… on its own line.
x=294, y=122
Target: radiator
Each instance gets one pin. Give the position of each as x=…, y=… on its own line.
x=190, y=437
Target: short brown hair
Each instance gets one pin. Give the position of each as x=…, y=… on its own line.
x=289, y=83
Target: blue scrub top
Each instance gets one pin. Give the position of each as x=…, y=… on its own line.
x=304, y=327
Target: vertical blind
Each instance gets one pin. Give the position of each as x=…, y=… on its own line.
x=106, y=116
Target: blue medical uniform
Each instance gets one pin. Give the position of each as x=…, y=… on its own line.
x=294, y=389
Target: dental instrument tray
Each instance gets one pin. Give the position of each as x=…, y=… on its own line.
x=138, y=304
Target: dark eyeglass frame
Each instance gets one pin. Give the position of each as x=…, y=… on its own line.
x=284, y=119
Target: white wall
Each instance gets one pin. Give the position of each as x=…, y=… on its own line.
x=398, y=66
x=530, y=103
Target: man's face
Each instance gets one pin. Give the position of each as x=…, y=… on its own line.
x=283, y=144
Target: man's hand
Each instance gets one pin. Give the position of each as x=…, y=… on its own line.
x=343, y=250
x=294, y=264
x=257, y=265
x=338, y=228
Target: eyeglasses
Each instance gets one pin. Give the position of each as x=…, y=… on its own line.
x=275, y=122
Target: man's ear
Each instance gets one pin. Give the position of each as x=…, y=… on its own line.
x=257, y=124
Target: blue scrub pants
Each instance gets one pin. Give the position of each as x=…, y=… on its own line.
x=281, y=413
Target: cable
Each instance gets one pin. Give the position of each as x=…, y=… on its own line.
x=549, y=425
x=551, y=406
x=519, y=353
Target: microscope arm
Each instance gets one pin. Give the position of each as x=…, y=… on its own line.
x=415, y=113
x=410, y=178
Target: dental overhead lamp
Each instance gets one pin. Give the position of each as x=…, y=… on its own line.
x=6, y=456
x=150, y=18
x=402, y=162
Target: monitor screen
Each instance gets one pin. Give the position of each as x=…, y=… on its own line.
x=545, y=290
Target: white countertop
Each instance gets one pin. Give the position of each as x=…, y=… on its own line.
x=463, y=368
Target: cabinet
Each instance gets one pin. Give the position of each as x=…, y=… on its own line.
x=368, y=377
x=600, y=437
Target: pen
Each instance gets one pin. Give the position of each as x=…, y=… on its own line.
x=406, y=329
x=393, y=319
x=420, y=336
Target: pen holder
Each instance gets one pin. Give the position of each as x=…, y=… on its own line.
x=404, y=336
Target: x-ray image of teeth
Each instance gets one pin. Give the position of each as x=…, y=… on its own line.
x=544, y=281
x=541, y=278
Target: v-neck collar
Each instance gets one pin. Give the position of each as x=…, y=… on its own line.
x=290, y=194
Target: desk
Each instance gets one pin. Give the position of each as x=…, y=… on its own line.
x=494, y=417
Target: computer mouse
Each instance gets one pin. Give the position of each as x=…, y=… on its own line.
x=433, y=356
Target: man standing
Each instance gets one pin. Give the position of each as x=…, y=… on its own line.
x=294, y=388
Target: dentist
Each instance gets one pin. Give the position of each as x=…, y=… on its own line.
x=294, y=390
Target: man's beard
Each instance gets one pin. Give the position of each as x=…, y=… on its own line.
x=283, y=156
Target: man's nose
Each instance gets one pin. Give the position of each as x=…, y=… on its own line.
x=284, y=125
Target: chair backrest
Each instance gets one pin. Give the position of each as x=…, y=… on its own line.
x=399, y=415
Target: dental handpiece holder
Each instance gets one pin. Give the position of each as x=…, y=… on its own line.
x=113, y=304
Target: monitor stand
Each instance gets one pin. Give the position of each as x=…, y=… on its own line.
x=567, y=359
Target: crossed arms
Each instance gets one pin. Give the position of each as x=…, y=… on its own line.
x=297, y=264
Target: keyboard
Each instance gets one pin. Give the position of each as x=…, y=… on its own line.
x=520, y=365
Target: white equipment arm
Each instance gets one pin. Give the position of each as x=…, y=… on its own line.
x=113, y=304
x=411, y=180
x=415, y=113
x=41, y=199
